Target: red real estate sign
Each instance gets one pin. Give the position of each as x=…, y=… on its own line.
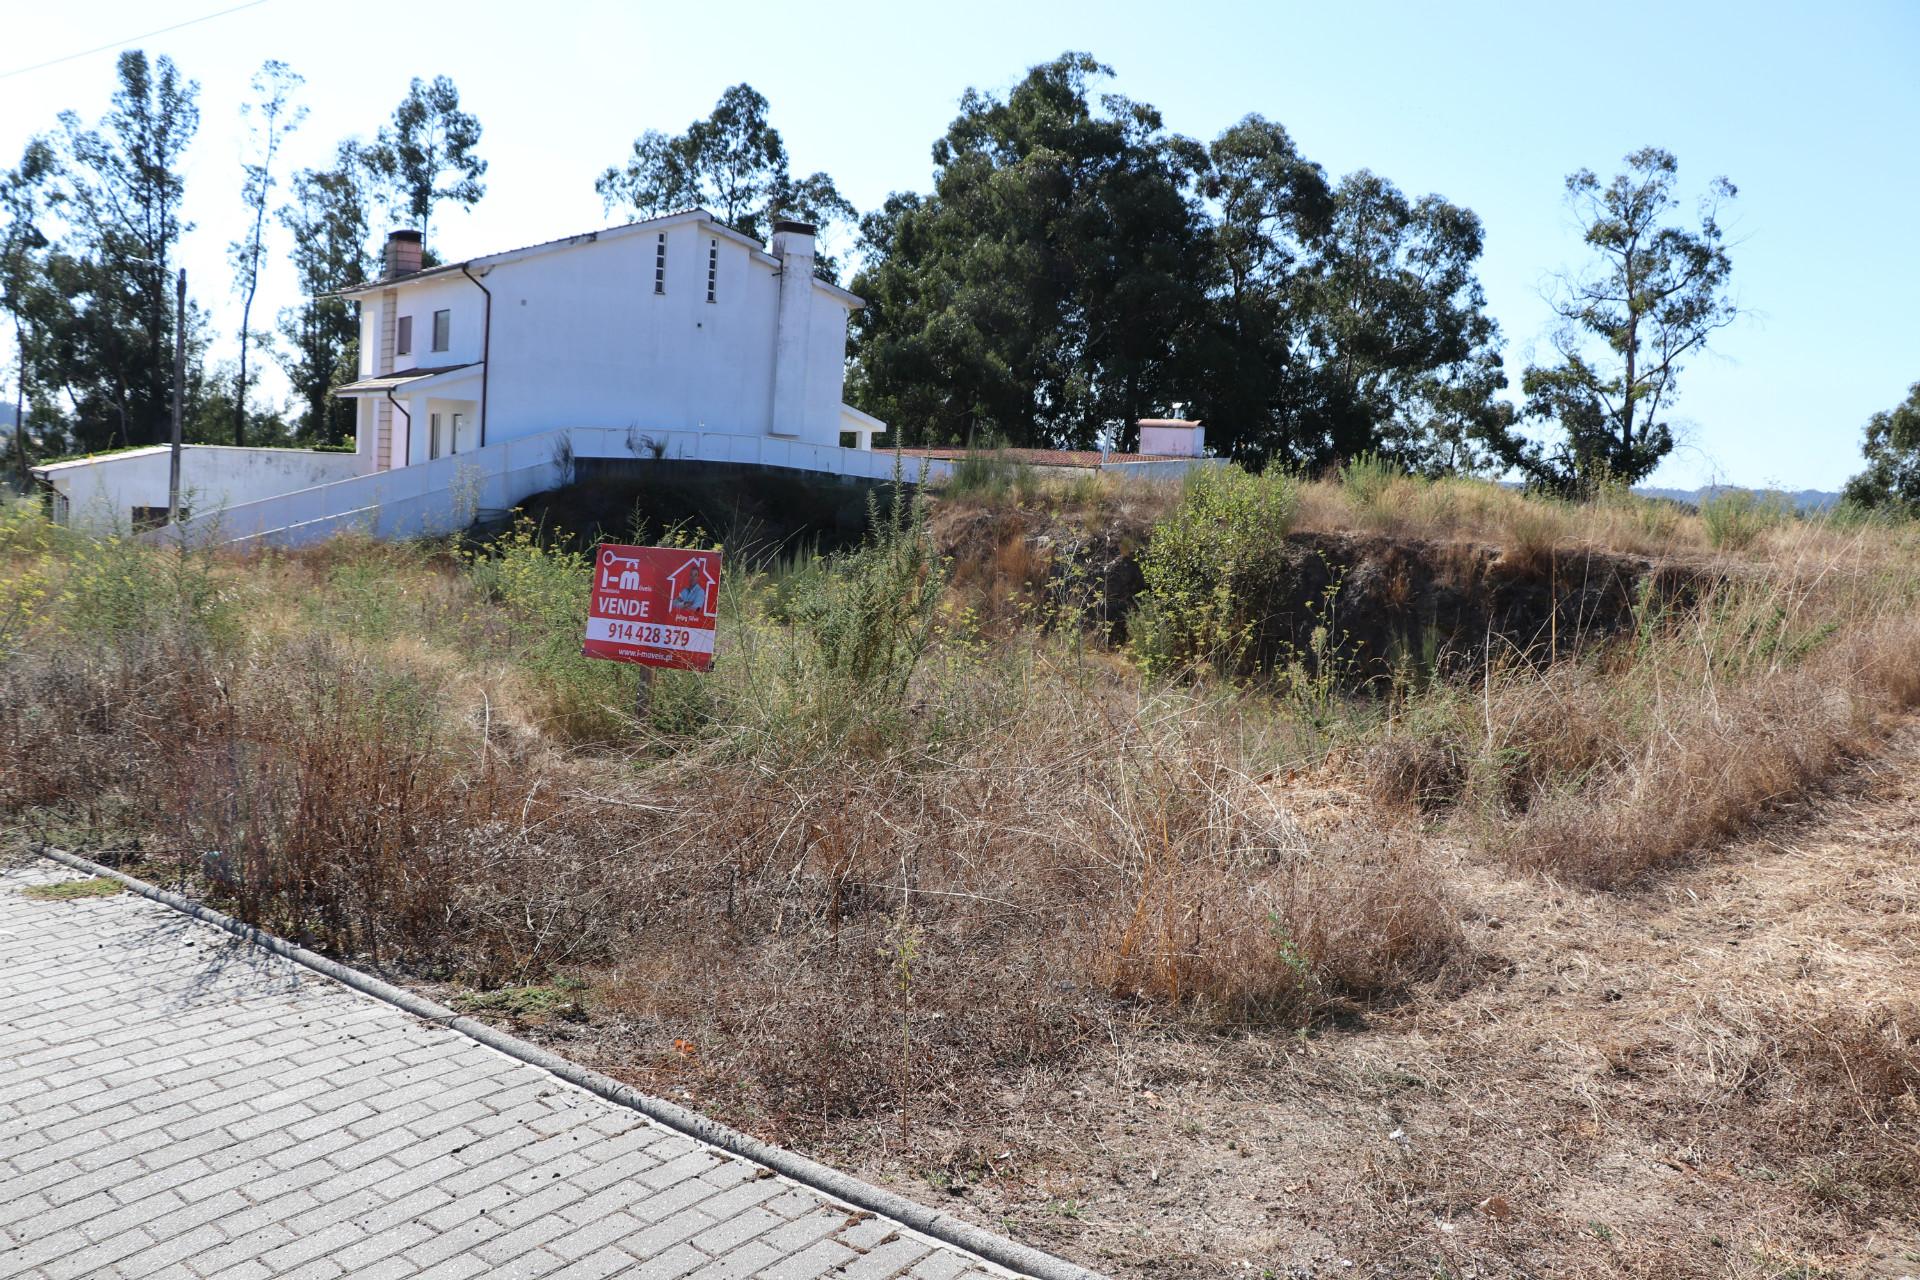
x=654, y=605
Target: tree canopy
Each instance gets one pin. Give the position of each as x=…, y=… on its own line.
x=1891, y=481
x=1654, y=294
x=1077, y=266
x=271, y=115
x=428, y=153
x=733, y=164
x=329, y=218
x=103, y=320
x=1038, y=293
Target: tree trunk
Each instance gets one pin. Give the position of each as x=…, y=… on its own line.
x=240, y=385
x=246, y=318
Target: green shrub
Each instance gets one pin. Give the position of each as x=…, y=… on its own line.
x=25, y=528
x=822, y=651
x=1208, y=566
x=870, y=616
x=1735, y=518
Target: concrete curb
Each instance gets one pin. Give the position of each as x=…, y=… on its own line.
x=939, y=1226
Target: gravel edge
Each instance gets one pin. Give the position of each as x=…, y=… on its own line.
x=940, y=1226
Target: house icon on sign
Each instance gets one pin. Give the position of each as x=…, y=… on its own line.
x=690, y=588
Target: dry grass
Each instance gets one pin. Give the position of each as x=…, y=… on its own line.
x=1156, y=968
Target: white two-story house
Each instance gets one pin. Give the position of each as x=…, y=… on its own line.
x=677, y=323
x=676, y=335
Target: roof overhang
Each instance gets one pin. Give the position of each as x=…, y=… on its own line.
x=491, y=260
x=406, y=379
x=481, y=265
x=852, y=301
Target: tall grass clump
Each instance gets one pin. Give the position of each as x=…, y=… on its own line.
x=1736, y=518
x=832, y=661
x=26, y=530
x=1224, y=908
x=990, y=476
x=543, y=588
x=1209, y=568
x=100, y=592
x=1606, y=767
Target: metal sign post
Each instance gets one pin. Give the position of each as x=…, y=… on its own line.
x=179, y=380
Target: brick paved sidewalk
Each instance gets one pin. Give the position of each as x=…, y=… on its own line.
x=174, y=1102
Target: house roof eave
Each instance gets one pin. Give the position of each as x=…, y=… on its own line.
x=491, y=260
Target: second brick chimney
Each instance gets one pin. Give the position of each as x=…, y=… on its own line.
x=402, y=256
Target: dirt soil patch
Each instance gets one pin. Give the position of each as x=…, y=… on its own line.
x=1385, y=598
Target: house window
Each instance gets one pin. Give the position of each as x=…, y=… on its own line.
x=403, y=337
x=660, y=264
x=442, y=323
x=713, y=266
x=433, y=436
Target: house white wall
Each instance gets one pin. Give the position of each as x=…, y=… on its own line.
x=100, y=493
x=580, y=337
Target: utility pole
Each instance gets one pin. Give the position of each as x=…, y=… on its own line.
x=20, y=410
x=179, y=378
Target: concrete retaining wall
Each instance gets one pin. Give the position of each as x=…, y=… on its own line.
x=444, y=495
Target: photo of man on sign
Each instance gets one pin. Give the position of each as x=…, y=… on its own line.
x=656, y=606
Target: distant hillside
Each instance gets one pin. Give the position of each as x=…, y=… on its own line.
x=1802, y=499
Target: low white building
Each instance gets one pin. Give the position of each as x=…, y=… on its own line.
x=674, y=328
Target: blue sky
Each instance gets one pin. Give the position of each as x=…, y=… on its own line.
x=1812, y=110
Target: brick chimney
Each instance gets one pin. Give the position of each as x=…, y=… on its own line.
x=402, y=255
x=793, y=245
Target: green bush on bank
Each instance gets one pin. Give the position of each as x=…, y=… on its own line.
x=1208, y=567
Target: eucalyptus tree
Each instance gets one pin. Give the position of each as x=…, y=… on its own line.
x=271, y=115
x=1077, y=266
x=124, y=192
x=27, y=197
x=1045, y=291
x=1653, y=295
x=1408, y=356
x=329, y=219
x=734, y=164
x=428, y=156
x=1271, y=212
